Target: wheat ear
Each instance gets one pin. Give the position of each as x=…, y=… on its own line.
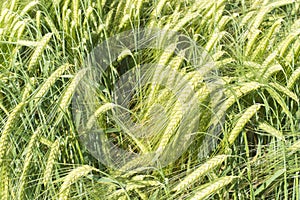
x=65, y=99
x=212, y=188
x=280, y=101
x=28, y=88
x=285, y=91
x=200, y=171
x=158, y=8
x=242, y=121
x=263, y=44
x=4, y=185
x=13, y=116
x=71, y=178
x=294, y=51
x=39, y=50
x=293, y=78
x=97, y=113
x=27, y=162
x=28, y=7
x=271, y=130
x=245, y=89
x=50, y=81
x=50, y=162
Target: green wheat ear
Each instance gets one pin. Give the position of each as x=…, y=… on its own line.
x=9, y=125
x=50, y=162
x=27, y=162
x=199, y=172
x=5, y=183
x=39, y=50
x=50, y=82
x=71, y=178
x=271, y=130
x=212, y=188
x=285, y=91
x=293, y=78
x=67, y=95
x=242, y=121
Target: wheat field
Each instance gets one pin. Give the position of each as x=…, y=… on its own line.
x=220, y=121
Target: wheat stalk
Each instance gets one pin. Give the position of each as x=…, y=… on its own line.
x=264, y=11
x=242, y=121
x=139, y=5
x=133, y=186
x=224, y=21
x=45, y=141
x=295, y=146
x=118, y=12
x=21, y=29
x=199, y=172
x=213, y=24
x=213, y=10
x=127, y=13
x=176, y=62
x=283, y=47
x=270, y=58
x=56, y=2
x=280, y=49
x=20, y=25
x=247, y=17
x=13, y=4
x=4, y=109
x=180, y=108
x=88, y=13
x=4, y=17
x=187, y=18
x=109, y=18
x=71, y=178
x=64, y=9
x=124, y=21
x=158, y=73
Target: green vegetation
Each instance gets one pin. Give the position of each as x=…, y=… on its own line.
x=255, y=46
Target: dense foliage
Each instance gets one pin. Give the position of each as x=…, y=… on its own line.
x=255, y=46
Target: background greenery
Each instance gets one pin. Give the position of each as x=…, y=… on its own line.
x=255, y=45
